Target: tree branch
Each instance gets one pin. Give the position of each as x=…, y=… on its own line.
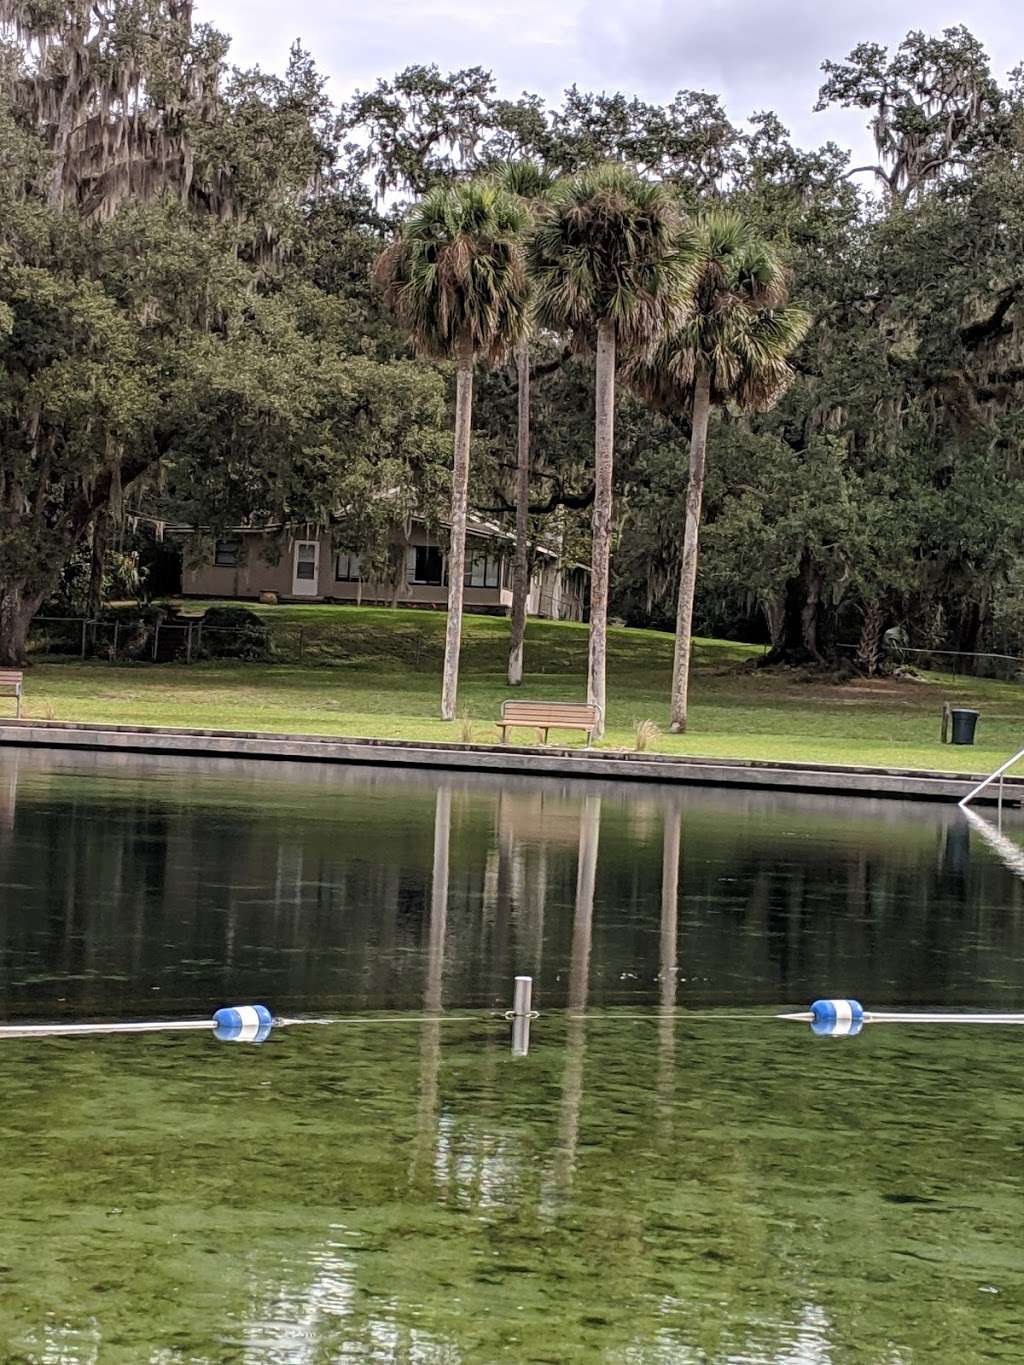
x=976, y=333
x=573, y=501
x=550, y=366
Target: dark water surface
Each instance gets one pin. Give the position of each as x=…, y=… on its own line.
x=677, y=1177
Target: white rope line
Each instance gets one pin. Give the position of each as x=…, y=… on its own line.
x=74, y=1030
x=654, y=1015
x=61, y=1030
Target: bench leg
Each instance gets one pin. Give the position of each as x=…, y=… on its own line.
x=17, y=708
x=504, y=734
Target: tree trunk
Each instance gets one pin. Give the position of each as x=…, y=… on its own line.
x=775, y=617
x=969, y=622
x=869, y=649
x=797, y=642
x=94, y=602
x=521, y=561
x=18, y=605
x=457, y=546
x=604, y=445
x=688, y=568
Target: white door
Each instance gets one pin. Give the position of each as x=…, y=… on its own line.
x=306, y=569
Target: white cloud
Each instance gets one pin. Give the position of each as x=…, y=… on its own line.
x=756, y=54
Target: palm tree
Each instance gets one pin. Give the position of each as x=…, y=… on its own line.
x=530, y=183
x=607, y=266
x=456, y=278
x=732, y=348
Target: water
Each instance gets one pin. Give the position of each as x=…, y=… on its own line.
x=676, y=1177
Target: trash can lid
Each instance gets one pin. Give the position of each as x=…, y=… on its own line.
x=964, y=711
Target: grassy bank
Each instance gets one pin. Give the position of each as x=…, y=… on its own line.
x=377, y=674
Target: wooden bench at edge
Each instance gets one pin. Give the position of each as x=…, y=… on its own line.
x=10, y=685
x=543, y=716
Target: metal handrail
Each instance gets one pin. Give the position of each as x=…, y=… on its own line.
x=991, y=778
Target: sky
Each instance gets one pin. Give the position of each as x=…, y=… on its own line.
x=755, y=54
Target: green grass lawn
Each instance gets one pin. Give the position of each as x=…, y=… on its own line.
x=376, y=673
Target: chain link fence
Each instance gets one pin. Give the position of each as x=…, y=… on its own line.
x=190, y=640
x=1002, y=667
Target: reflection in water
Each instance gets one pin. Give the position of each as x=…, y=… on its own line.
x=135, y=885
x=520, y=1035
x=579, y=977
x=430, y=1055
x=634, y=1190
x=668, y=953
x=8, y=792
x=1011, y=854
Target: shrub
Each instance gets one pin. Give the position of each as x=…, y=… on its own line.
x=235, y=633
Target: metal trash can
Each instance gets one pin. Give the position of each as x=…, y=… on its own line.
x=964, y=724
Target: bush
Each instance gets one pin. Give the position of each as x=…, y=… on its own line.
x=234, y=633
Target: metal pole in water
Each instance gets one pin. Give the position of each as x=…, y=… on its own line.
x=521, y=1014
x=520, y=1035
x=522, y=996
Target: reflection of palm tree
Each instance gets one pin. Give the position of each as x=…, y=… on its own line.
x=433, y=989
x=504, y=903
x=579, y=964
x=537, y=903
x=8, y=791
x=667, y=958
x=579, y=978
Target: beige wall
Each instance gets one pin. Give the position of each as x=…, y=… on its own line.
x=257, y=572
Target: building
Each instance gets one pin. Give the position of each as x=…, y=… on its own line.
x=301, y=565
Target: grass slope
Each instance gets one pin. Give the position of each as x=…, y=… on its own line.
x=376, y=673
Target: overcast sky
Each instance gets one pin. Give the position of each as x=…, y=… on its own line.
x=756, y=54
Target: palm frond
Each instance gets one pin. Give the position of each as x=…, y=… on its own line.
x=457, y=269
x=607, y=245
x=528, y=180
x=739, y=328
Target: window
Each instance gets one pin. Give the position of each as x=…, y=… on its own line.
x=346, y=569
x=306, y=555
x=227, y=553
x=428, y=564
x=483, y=571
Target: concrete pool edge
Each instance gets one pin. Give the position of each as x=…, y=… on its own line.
x=833, y=779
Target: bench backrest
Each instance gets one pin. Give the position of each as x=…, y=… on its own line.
x=551, y=713
x=8, y=678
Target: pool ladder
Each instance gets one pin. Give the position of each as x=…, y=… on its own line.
x=999, y=773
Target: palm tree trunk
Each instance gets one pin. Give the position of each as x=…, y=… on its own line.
x=688, y=569
x=521, y=562
x=604, y=442
x=457, y=546
x=869, y=649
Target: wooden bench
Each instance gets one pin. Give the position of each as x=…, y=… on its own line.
x=10, y=683
x=543, y=716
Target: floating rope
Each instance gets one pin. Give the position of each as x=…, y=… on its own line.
x=236, y=1024
x=838, y=1018
x=846, y=1018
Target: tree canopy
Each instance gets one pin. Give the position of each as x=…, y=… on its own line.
x=188, y=326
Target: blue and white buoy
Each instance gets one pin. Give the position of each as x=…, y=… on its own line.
x=846, y=1018
x=243, y=1024
x=837, y=1018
